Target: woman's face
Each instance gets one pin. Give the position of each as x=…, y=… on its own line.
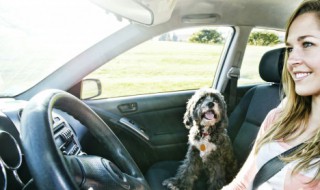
x=303, y=63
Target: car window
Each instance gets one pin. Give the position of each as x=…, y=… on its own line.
x=259, y=42
x=44, y=36
x=178, y=60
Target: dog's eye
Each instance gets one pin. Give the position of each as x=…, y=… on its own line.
x=201, y=100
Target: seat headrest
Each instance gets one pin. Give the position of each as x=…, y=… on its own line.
x=271, y=65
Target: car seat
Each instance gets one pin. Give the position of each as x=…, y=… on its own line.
x=245, y=119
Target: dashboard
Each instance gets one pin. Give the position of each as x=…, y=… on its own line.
x=14, y=174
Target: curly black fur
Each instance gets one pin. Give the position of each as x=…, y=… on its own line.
x=206, y=117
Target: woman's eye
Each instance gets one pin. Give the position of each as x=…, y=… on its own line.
x=307, y=44
x=289, y=49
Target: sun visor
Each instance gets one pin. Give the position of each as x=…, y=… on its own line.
x=148, y=12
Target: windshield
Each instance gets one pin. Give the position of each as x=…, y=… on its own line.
x=39, y=36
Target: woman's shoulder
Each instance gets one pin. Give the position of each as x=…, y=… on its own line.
x=271, y=117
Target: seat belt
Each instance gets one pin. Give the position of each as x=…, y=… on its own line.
x=272, y=167
x=233, y=75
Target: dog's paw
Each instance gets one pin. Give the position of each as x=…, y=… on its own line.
x=170, y=183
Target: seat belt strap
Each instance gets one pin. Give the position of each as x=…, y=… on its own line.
x=233, y=75
x=272, y=167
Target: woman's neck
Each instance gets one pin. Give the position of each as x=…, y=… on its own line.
x=311, y=126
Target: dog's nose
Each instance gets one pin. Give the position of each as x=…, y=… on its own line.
x=210, y=104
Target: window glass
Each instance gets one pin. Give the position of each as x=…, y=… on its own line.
x=259, y=42
x=178, y=60
x=37, y=37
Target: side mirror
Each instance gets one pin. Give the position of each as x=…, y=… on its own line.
x=90, y=88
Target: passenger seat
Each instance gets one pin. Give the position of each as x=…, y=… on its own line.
x=244, y=121
x=246, y=118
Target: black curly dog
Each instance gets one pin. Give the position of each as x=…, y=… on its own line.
x=210, y=151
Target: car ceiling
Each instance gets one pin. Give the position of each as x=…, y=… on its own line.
x=265, y=13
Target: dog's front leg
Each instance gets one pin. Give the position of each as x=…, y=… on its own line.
x=217, y=179
x=187, y=172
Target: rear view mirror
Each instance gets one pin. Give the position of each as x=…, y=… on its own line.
x=90, y=88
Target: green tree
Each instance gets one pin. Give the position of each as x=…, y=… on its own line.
x=263, y=39
x=207, y=36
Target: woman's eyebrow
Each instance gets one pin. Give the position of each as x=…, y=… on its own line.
x=307, y=36
x=303, y=37
x=300, y=38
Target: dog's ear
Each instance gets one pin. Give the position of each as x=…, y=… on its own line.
x=223, y=102
x=224, y=110
x=187, y=118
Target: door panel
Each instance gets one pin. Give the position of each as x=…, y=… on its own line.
x=150, y=126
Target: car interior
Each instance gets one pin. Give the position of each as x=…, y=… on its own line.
x=51, y=137
x=245, y=119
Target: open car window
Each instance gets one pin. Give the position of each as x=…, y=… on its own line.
x=260, y=41
x=183, y=59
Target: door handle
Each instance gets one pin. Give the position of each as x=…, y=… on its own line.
x=129, y=107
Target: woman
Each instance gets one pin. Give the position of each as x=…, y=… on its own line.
x=297, y=119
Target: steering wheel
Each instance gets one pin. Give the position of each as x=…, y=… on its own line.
x=53, y=170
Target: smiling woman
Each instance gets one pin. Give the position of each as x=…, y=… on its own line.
x=43, y=36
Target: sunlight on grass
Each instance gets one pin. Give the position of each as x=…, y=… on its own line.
x=158, y=66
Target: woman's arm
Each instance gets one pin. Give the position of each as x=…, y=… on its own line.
x=244, y=178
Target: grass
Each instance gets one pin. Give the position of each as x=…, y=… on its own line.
x=158, y=66
x=250, y=64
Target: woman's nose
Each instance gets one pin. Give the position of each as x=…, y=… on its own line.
x=294, y=57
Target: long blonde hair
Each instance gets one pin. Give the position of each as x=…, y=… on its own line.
x=296, y=111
